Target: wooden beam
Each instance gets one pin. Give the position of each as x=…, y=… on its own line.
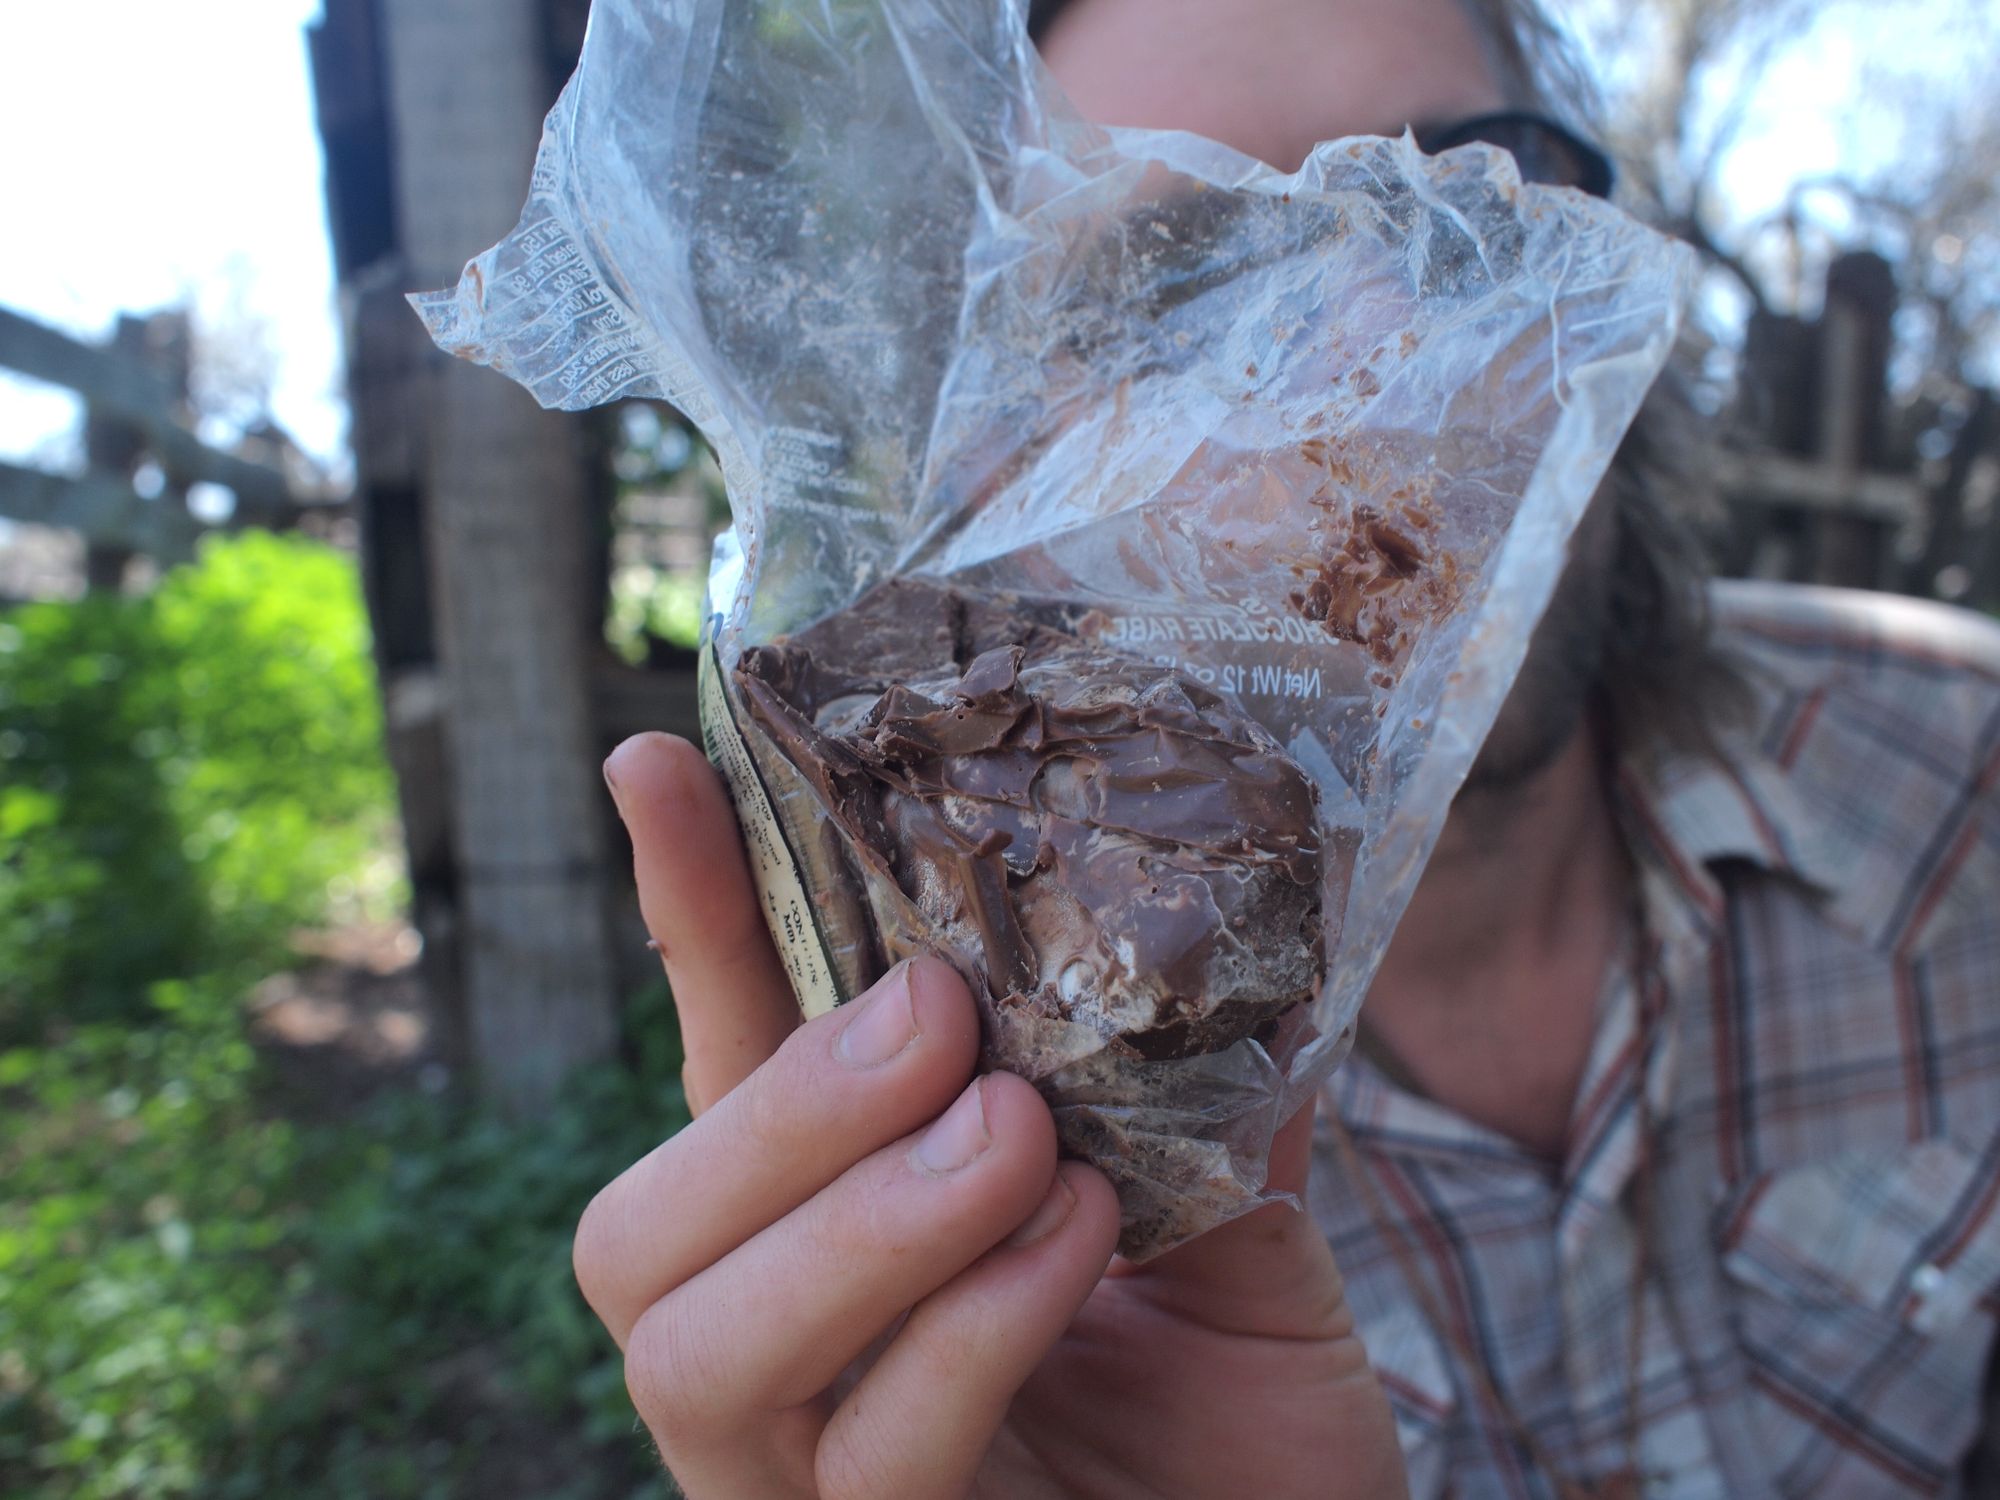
x=103, y=510
x=1774, y=479
x=1951, y=529
x=505, y=505
x=116, y=384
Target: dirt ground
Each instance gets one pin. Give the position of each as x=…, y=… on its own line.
x=349, y=1022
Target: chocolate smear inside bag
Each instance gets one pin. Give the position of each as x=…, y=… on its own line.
x=1132, y=543
x=1095, y=840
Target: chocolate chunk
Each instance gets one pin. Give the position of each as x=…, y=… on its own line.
x=1095, y=838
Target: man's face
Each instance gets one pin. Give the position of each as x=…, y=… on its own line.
x=1273, y=78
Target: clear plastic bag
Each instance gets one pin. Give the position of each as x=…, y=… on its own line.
x=1314, y=442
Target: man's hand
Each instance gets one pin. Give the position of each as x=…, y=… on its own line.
x=862, y=1273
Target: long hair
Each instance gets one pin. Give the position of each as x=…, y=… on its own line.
x=1661, y=683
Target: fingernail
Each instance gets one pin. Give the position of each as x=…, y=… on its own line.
x=1051, y=1216
x=611, y=782
x=885, y=1025
x=959, y=1134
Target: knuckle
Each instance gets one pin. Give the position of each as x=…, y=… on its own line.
x=936, y=1356
x=590, y=1250
x=834, y=1230
x=676, y=1372
x=765, y=1114
x=693, y=1094
x=852, y=1462
x=781, y=1102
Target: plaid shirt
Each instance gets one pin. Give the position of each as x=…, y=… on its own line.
x=1823, y=1077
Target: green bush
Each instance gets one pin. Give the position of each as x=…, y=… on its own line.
x=147, y=1253
x=187, y=777
x=198, y=1296
x=281, y=786
x=199, y=1299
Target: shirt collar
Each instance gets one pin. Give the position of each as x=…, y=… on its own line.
x=1693, y=810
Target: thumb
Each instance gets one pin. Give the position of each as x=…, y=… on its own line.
x=1270, y=1272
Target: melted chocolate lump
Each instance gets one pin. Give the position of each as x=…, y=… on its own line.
x=1100, y=838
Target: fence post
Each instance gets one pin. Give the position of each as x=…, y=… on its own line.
x=506, y=484
x=1854, y=353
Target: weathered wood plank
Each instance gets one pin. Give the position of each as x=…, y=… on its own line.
x=119, y=385
x=505, y=508
x=1774, y=479
x=1952, y=534
x=105, y=511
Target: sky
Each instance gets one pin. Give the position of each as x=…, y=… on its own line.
x=164, y=153
x=155, y=154
x=1858, y=91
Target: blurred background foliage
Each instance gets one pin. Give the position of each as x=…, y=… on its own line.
x=207, y=754
x=670, y=503
x=202, y=1293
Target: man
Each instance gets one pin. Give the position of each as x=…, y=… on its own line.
x=1669, y=1164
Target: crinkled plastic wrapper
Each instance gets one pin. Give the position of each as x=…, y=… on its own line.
x=1133, y=543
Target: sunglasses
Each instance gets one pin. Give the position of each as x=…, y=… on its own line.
x=1543, y=150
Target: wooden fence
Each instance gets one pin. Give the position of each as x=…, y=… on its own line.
x=1827, y=478
x=137, y=423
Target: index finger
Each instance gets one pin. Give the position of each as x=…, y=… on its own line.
x=736, y=1005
